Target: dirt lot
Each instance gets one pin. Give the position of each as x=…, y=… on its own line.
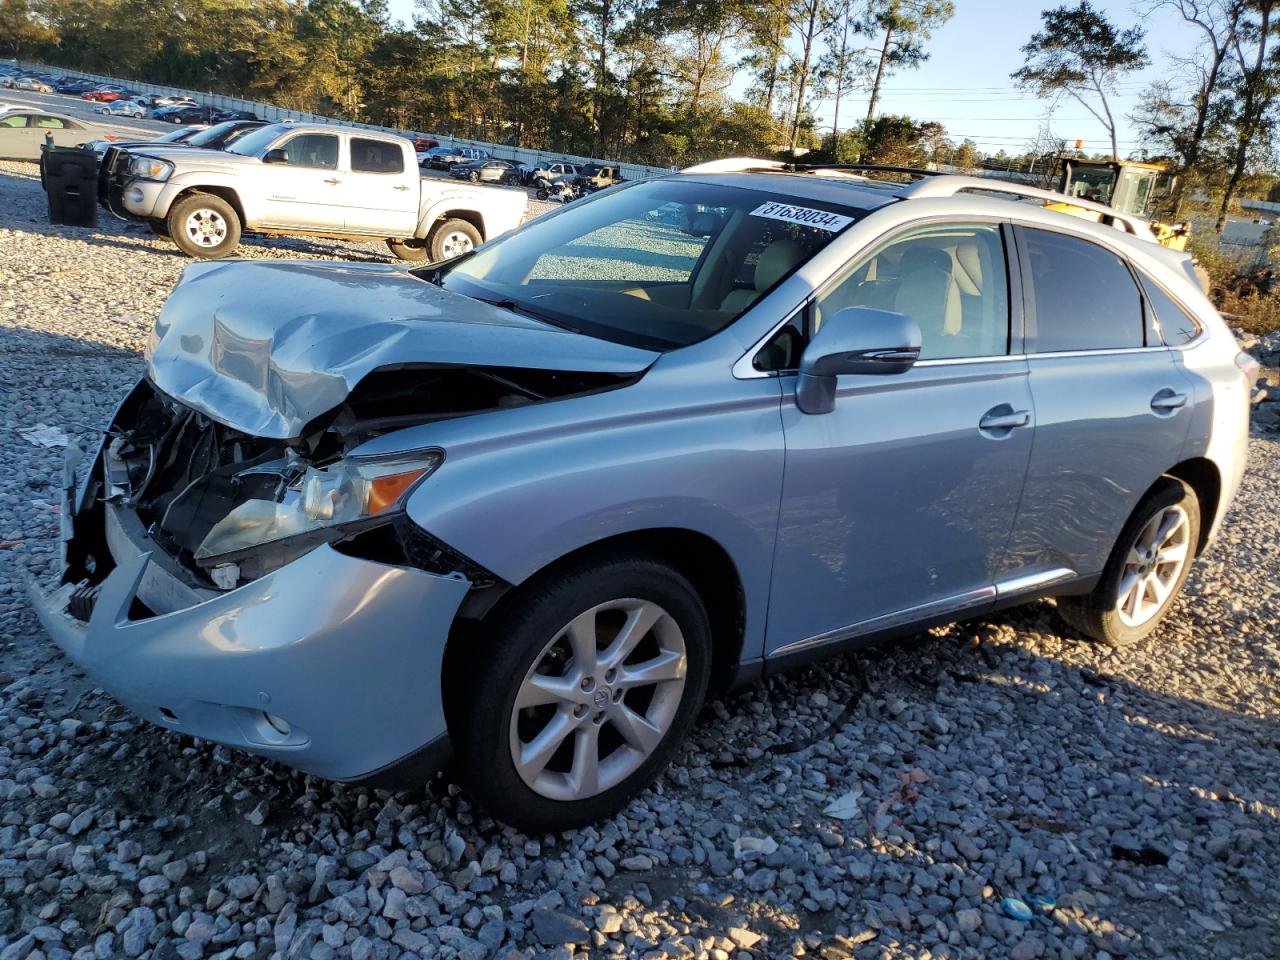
x=1136, y=794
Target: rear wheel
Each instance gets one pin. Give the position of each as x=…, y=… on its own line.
x=452, y=238
x=1146, y=570
x=588, y=683
x=204, y=225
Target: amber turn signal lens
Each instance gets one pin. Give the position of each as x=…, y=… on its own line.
x=385, y=492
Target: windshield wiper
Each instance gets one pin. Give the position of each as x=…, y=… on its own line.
x=506, y=303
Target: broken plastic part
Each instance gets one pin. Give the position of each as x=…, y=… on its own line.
x=225, y=575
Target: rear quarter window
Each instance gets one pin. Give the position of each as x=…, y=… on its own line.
x=1083, y=295
x=1176, y=326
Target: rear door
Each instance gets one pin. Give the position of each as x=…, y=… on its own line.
x=380, y=192
x=303, y=191
x=17, y=140
x=1111, y=405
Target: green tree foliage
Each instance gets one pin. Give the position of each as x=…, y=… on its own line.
x=649, y=81
x=1080, y=53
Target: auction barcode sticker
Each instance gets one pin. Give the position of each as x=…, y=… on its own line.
x=805, y=216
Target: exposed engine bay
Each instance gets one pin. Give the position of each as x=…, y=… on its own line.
x=230, y=507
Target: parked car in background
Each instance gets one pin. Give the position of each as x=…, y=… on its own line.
x=551, y=169
x=192, y=113
x=423, y=144
x=107, y=94
x=311, y=180
x=123, y=108
x=442, y=158
x=23, y=131
x=597, y=176
x=100, y=147
x=486, y=171
x=74, y=86
x=172, y=100
x=33, y=84
x=220, y=116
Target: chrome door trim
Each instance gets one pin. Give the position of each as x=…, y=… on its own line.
x=1031, y=581
x=922, y=611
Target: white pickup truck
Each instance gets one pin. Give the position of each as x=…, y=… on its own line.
x=311, y=180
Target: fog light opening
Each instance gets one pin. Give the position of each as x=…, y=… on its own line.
x=278, y=724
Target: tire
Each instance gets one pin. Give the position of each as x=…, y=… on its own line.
x=530, y=632
x=218, y=239
x=413, y=251
x=474, y=176
x=160, y=228
x=452, y=238
x=1117, y=616
x=542, y=193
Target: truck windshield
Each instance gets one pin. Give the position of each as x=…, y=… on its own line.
x=658, y=264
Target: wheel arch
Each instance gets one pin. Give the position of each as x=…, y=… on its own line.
x=698, y=557
x=472, y=217
x=223, y=193
x=1205, y=479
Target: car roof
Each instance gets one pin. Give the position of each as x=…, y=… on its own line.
x=843, y=191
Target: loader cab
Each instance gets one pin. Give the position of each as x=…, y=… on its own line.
x=1128, y=186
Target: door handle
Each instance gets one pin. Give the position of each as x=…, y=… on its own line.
x=401, y=186
x=1004, y=418
x=1167, y=401
x=333, y=180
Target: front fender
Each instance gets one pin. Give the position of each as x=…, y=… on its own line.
x=521, y=488
x=182, y=182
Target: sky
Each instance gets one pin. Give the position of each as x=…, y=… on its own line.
x=965, y=83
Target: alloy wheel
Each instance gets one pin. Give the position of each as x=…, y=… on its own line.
x=454, y=244
x=598, y=699
x=206, y=227
x=1153, y=566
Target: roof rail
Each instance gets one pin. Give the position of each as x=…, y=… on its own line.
x=863, y=168
x=734, y=165
x=951, y=184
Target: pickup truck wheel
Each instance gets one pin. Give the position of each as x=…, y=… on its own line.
x=414, y=251
x=586, y=686
x=453, y=238
x=204, y=225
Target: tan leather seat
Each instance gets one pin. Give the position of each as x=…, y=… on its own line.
x=776, y=261
x=927, y=293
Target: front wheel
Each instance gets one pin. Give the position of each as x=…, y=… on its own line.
x=453, y=238
x=1146, y=570
x=542, y=193
x=413, y=251
x=204, y=225
x=589, y=682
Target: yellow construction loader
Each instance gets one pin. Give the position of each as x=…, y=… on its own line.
x=1126, y=186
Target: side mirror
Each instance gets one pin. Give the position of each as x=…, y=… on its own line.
x=856, y=340
x=278, y=155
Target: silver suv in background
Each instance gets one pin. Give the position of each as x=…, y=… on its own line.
x=528, y=506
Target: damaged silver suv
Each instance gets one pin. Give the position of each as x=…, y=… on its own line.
x=526, y=507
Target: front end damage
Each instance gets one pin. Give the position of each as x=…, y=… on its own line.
x=236, y=569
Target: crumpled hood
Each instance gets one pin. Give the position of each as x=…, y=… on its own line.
x=266, y=346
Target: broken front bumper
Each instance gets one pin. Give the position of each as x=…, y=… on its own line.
x=330, y=664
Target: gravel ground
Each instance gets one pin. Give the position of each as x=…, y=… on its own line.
x=879, y=805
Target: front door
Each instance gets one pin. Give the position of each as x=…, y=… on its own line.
x=899, y=504
x=1112, y=406
x=304, y=190
x=381, y=193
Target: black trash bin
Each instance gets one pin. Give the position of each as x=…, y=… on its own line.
x=69, y=176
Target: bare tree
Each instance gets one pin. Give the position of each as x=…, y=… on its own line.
x=1080, y=53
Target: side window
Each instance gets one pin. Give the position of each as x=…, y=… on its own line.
x=313, y=150
x=375, y=156
x=17, y=120
x=1174, y=324
x=51, y=123
x=951, y=279
x=1084, y=296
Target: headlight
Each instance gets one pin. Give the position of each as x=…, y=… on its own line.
x=150, y=168
x=346, y=492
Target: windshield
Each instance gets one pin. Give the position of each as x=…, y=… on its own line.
x=256, y=141
x=660, y=264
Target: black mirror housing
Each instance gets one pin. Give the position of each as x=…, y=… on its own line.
x=857, y=340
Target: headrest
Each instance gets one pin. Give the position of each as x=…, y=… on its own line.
x=924, y=258
x=776, y=261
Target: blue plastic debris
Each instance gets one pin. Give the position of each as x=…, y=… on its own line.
x=1016, y=909
x=1044, y=902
